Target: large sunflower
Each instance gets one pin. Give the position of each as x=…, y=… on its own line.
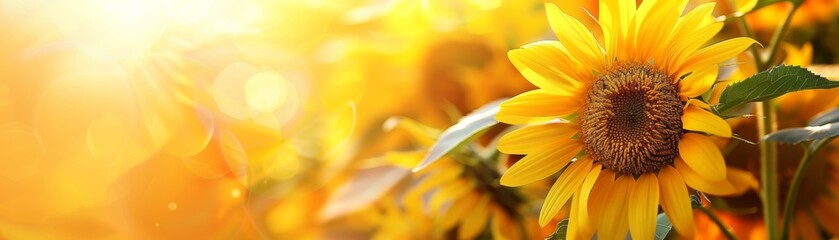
x=631, y=117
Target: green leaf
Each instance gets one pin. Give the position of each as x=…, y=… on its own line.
x=362, y=189
x=561, y=230
x=797, y=135
x=695, y=201
x=468, y=127
x=770, y=84
x=825, y=117
x=662, y=227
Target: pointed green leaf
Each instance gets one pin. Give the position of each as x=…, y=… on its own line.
x=826, y=117
x=797, y=135
x=561, y=230
x=662, y=227
x=770, y=84
x=468, y=126
x=695, y=201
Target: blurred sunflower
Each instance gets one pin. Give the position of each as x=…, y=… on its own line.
x=810, y=13
x=816, y=206
x=467, y=197
x=462, y=195
x=638, y=134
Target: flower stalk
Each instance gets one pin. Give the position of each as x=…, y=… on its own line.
x=768, y=167
x=775, y=43
x=768, y=124
x=789, y=204
x=717, y=221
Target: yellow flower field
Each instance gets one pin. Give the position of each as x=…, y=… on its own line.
x=419, y=119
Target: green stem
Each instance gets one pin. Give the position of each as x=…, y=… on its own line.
x=793, y=191
x=719, y=222
x=746, y=31
x=768, y=150
x=768, y=167
x=776, y=41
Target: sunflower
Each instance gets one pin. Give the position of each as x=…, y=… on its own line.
x=816, y=206
x=461, y=194
x=625, y=107
x=466, y=198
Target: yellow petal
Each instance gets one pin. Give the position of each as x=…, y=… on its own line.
x=614, y=223
x=690, y=32
x=567, y=184
x=547, y=66
x=406, y=159
x=657, y=21
x=574, y=225
x=530, y=138
x=698, y=82
x=599, y=196
x=536, y=104
x=580, y=225
x=717, y=53
x=741, y=180
x=683, y=48
x=571, y=32
x=435, y=177
x=698, y=182
x=614, y=19
x=798, y=56
x=501, y=226
x=698, y=103
x=698, y=18
x=539, y=165
x=457, y=211
x=744, y=6
x=643, y=202
x=675, y=201
x=563, y=213
x=523, y=120
x=425, y=135
x=450, y=192
x=475, y=221
x=697, y=119
x=702, y=156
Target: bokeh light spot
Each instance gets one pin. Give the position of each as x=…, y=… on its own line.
x=124, y=28
x=228, y=90
x=266, y=91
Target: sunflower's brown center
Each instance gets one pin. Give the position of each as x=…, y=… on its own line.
x=632, y=119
